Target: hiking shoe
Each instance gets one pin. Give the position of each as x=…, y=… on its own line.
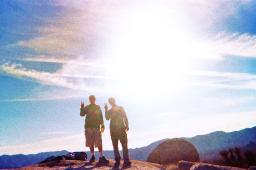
x=92, y=159
x=103, y=160
x=127, y=164
x=116, y=165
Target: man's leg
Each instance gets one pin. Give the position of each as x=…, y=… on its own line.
x=114, y=139
x=92, y=150
x=100, y=150
x=102, y=158
x=92, y=159
x=98, y=143
x=90, y=142
x=124, y=142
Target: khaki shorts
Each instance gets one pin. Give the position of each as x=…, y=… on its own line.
x=93, y=137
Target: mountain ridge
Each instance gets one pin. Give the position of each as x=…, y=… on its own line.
x=208, y=146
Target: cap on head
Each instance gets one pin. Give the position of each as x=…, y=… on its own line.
x=92, y=99
x=112, y=101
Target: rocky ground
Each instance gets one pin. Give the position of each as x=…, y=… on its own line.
x=136, y=165
x=82, y=165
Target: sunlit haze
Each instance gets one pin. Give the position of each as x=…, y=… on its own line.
x=179, y=69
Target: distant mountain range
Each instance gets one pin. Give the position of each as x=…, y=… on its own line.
x=20, y=160
x=208, y=146
x=211, y=144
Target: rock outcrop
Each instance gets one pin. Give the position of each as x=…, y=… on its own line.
x=173, y=150
x=185, y=165
x=70, y=156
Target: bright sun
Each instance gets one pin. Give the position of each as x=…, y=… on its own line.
x=151, y=51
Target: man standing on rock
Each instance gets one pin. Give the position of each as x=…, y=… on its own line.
x=118, y=128
x=94, y=126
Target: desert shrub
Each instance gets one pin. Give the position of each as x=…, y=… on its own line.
x=235, y=157
x=250, y=158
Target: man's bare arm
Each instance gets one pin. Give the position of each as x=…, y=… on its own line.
x=107, y=112
x=82, y=111
x=125, y=119
x=107, y=115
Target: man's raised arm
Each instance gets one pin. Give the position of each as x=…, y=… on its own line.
x=82, y=110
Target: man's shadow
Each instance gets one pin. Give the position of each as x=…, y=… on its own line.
x=89, y=166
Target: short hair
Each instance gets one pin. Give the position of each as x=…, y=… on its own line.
x=112, y=99
x=92, y=97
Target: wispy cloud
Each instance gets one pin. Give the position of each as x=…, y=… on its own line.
x=71, y=77
x=86, y=26
x=79, y=60
x=54, y=79
x=44, y=77
x=235, y=44
x=77, y=31
x=68, y=78
x=54, y=98
x=230, y=101
x=84, y=30
x=229, y=80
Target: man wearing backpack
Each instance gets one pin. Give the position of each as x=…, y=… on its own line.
x=94, y=126
x=118, y=128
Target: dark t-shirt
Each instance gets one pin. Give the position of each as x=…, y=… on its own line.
x=94, y=116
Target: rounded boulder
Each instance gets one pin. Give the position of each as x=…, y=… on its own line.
x=172, y=151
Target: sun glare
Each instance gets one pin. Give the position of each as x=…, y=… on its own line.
x=151, y=52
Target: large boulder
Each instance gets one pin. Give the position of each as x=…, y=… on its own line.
x=172, y=151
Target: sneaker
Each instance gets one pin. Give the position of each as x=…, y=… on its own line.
x=116, y=165
x=92, y=159
x=127, y=164
x=103, y=160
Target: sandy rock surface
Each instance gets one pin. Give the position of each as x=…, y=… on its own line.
x=82, y=165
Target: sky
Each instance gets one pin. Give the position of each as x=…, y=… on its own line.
x=179, y=69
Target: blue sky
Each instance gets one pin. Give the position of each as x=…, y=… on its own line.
x=179, y=68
